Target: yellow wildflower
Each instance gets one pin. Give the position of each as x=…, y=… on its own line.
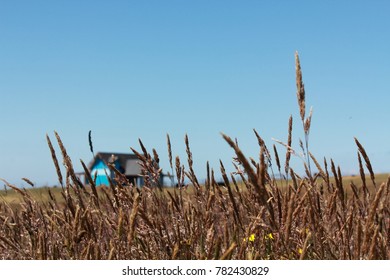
x=269, y=236
x=251, y=238
x=300, y=251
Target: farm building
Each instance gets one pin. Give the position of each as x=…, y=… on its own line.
x=125, y=163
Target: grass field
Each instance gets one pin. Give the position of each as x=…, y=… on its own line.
x=320, y=215
x=41, y=194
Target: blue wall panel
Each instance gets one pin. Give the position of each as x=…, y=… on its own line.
x=101, y=169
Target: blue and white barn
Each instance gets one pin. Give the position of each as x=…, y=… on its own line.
x=125, y=163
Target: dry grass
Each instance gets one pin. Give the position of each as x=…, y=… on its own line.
x=253, y=216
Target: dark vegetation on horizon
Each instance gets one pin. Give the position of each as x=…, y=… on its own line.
x=253, y=216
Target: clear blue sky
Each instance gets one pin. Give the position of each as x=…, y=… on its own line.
x=141, y=69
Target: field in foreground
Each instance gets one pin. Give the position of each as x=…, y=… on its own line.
x=204, y=222
x=253, y=216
